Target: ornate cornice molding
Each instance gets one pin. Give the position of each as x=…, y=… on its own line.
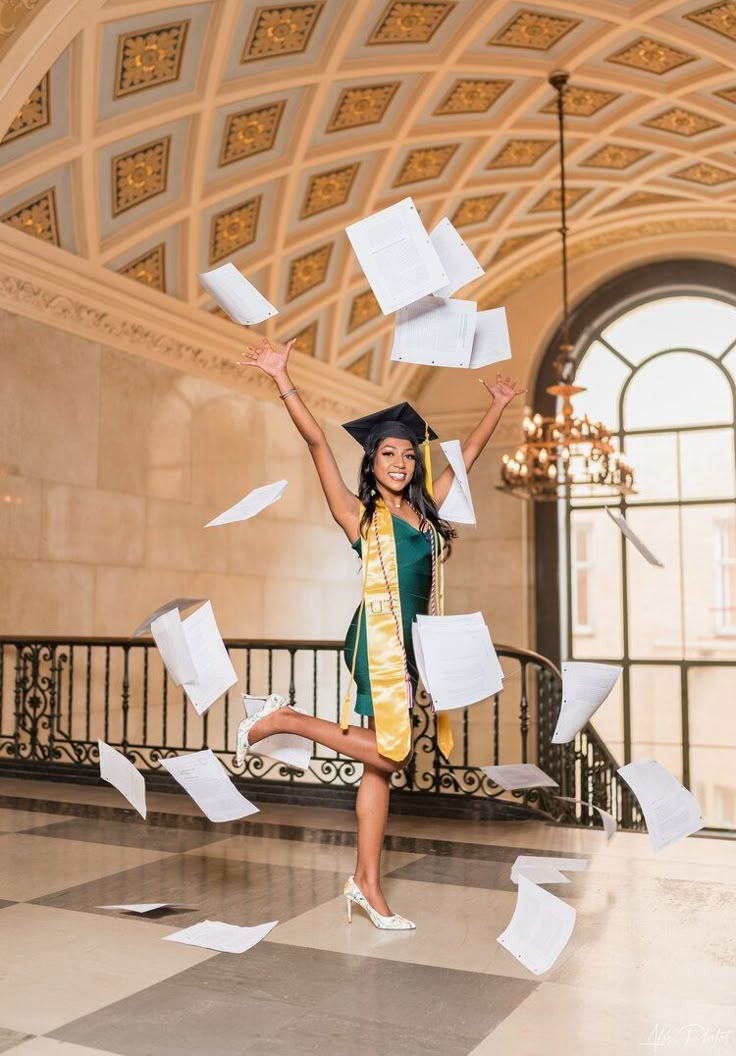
x=62, y=291
x=588, y=243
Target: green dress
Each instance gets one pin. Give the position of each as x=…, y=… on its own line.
x=414, y=563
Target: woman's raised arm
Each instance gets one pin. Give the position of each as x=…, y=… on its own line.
x=503, y=392
x=344, y=505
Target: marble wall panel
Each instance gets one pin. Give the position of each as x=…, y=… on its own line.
x=49, y=382
x=92, y=526
x=47, y=598
x=20, y=517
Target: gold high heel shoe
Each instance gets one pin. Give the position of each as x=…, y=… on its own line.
x=393, y=923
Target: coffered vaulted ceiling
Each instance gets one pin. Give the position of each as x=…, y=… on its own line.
x=167, y=140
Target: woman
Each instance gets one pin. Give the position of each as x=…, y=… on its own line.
x=395, y=525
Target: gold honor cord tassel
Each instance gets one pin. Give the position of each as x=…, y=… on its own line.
x=445, y=740
x=428, y=482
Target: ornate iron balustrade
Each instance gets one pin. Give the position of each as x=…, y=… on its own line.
x=59, y=695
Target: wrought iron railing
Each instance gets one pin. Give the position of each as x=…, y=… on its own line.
x=59, y=695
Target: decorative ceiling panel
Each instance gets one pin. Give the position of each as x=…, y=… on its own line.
x=582, y=102
x=36, y=216
x=729, y=94
x=472, y=96
x=409, y=23
x=305, y=340
x=652, y=56
x=280, y=30
x=550, y=200
x=612, y=156
x=140, y=174
x=327, y=190
x=250, y=132
x=520, y=153
x=308, y=270
x=721, y=18
x=682, y=122
x=427, y=163
x=706, y=174
x=476, y=210
x=149, y=268
x=35, y=112
x=512, y=245
x=150, y=57
x=233, y=229
x=363, y=308
x=533, y=29
x=362, y=105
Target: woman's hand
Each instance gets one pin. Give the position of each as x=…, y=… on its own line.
x=503, y=390
x=270, y=362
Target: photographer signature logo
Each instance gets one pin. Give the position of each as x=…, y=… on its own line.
x=695, y=1035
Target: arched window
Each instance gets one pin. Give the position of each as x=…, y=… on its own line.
x=661, y=374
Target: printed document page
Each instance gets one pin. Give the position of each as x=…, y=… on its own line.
x=123, y=776
x=539, y=929
x=631, y=535
x=236, y=296
x=491, y=342
x=253, y=503
x=215, y=673
x=519, y=775
x=458, y=506
x=397, y=256
x=457, y=258
x=585, y=686
x=459, y=660
x=204, y=778
x=225, y=938
x=435, y=333
x=670, y=811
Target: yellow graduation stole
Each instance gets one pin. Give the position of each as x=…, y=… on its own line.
x=389, y=677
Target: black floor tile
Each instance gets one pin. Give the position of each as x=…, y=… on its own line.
x=133, y=833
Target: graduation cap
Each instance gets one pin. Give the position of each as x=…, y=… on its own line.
x=401, y=421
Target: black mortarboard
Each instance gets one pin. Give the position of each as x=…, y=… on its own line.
x=401, y=421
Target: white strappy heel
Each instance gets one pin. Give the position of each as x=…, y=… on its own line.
x=393, y=923
x=273, y=703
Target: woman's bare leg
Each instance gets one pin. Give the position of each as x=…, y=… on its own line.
x=371, y=808
x=355, y=742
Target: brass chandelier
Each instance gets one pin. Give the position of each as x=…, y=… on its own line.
x=565, y=456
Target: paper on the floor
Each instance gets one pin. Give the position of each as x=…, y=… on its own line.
x=435, y=333
x=204, y=778
x=519, y=775
x=458, y=506
x=619, y=520
x=539, y=929
x=610, y=825
x=491, y=341
x=142, y=907
x=286, y=748
x=253, y=503
x=225, y=938
x=236, y=296
x=670, y=811
x=397, y=256
x=456, y=659
x=585, y=686
x=529, y=864
x=123, y=776
x=457, y=258
x=195, y=656
x=181, y=604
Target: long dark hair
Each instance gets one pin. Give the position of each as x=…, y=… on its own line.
x=415, y=493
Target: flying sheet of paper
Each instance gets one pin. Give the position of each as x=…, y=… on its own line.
x=123, y=776
x=143, y=907
x=491, y=341
x=225, y=938
x=253, y=503
x=204, y=778
x=610, y=825
x=519, y=775
x=181, y=604
x=458, y=659
x=619, y=520
x=236, y=296
x=171, y=641
x=215, y=673
x=585, y=686
x=527, y=863
x=458, y=506
x=397, y=256
x=435, y=333
x=539, y=929
x=670, y=811
x=286, y=748
x=457, y=259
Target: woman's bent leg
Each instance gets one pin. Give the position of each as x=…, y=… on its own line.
x=371, y=808
x=355, y=742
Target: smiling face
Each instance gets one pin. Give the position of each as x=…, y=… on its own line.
x=393, y=465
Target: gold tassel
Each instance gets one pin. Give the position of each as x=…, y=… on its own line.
x=427, y=462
